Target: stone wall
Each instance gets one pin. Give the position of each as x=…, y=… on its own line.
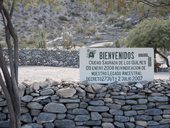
x=65, y=104
x=58, y=58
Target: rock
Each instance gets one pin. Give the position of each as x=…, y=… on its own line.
x=64, y=123
x=143, y=117
x=82, y=118
x=129, y=125
x=151, y=123
x=141, y=123
x=66, y=92
x=27, y=98
x=121, y=118
x=34, y=105
x=72, y=106
x=4, y=124
x=32, y=125
x=21, y=90
x=130, y=113
x=116, y=112
x=39, y=98
x=36, y=86
x=93, y=123
x=81, y=92
x=61, y=116
x=80, y=111
x=114, y=106
x=158, y=98
x=165, y=121
x=143, y=101
x=35, y=112
x=55, y=108
x=3, y=116
x=131, y=102
x=46, y=117
x=153, y=112
x=69, y=100
x=98, y=108
x=139, y=85
x=46, y=92
x=49, y=125
x=107, y=125
x=26, y=118
x=3, y=103
x=139, y=107
x=23, y=110
x=97, y=103
x=95, y=116
x=119, y=125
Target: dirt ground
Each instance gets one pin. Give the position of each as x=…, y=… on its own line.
x=40, y=73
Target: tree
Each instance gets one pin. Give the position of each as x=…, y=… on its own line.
x=151, y=33
x=9, y=78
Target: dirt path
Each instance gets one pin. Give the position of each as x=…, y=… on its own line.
x=40, y=73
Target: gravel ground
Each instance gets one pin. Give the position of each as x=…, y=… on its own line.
x=40, y=73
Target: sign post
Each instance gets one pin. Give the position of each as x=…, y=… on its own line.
x=107, y=65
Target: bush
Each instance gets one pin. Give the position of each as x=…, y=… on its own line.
x=150, y=33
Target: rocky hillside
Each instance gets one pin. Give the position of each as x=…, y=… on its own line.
x=83, y=25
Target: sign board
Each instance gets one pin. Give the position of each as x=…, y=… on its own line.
x=107, y=65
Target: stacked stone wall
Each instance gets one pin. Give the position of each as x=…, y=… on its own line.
x=52, y=104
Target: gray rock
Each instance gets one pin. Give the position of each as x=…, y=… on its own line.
x=165, y=121
x=3, y=116
x=72, y=106
x=66, y=92
x=139, y=85
x=98, y=108
x=153, y=112
x=39, y=98
x=82, y=118
x=81, y=92
x=114, y=106
x=49, y=125
x=92, y=123
x=80, y=111
x=141, y=123
x=130, y=113
x=165, y=112
x=164, y=106
x=97, y=103
x=32, y=125
x=35, y=112
x=61, y=116
x=142, y=101
x=143, y=117
x=158, y=98
x=95, y=116
x=4, y=124
x=46, y=117
x=21, y=90
x=107, y=125
x=108, y=120
x=119, y=124
x=157, y=118
x=26, y=118
x=47, y=91
x=116, y=112
x=133, y=97
x=151, y=123
x=34, y=105
x=3, y=103
x=129, y=125
x=23, y=110
x=69, y=100
x=26, y=98
x=64, y=123
x=139, y=107
x=55, y=108
x=121, y=118
x=131, y=102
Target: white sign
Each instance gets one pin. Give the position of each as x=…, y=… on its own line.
x=107, y=65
